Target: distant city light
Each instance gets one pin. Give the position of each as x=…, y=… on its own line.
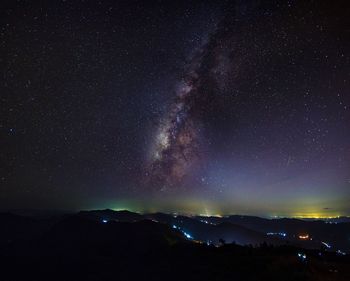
x=326, y=244
x=207, y=222
x=104, y=221
x=277, y=233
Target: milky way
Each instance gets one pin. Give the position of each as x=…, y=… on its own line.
x=178, y=146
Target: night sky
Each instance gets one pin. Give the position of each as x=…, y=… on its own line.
x=202, y=107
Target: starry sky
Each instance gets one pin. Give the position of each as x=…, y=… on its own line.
x=199, y=107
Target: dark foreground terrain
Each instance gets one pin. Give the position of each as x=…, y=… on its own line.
x=107, y=245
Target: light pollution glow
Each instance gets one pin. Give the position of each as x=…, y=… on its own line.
x=205, y=208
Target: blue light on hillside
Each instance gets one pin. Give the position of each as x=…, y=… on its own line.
x=188, y=236
x=302, y=257
x=341, y=253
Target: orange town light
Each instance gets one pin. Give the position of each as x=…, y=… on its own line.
x=304, y=236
